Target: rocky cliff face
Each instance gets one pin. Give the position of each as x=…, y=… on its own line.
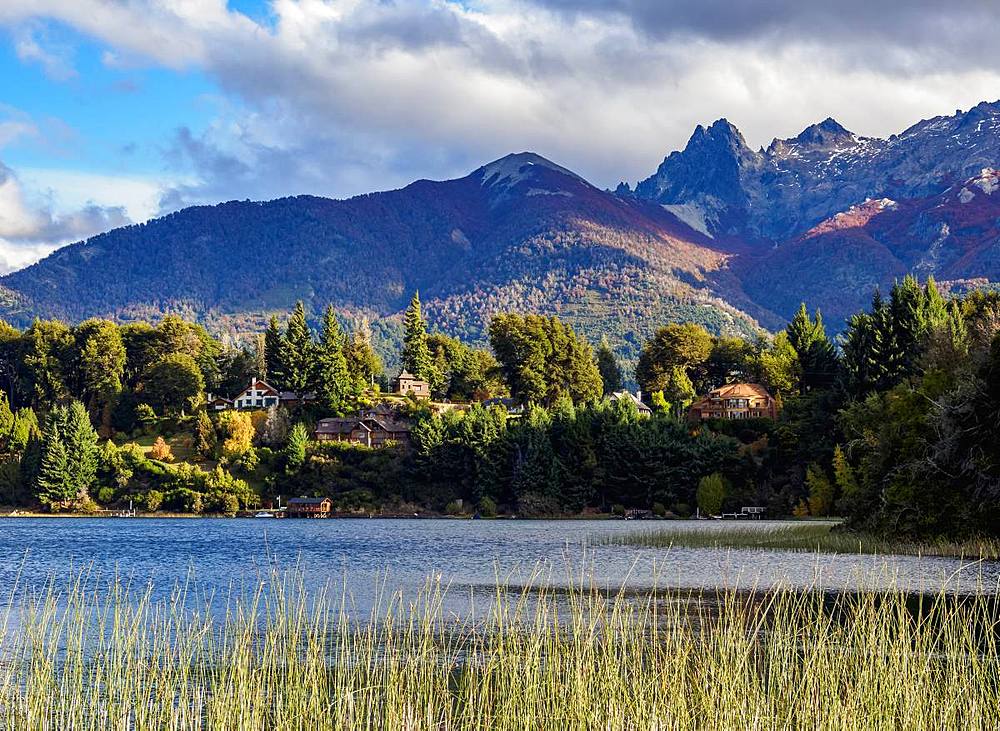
x=780, y=192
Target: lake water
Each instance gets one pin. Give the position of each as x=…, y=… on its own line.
x=224, y=556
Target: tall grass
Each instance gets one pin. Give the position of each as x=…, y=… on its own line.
x=811, y=536
x=83, y=658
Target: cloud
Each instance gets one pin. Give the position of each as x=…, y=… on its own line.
x=33, y=44
x=28, y=232
x=338, y=97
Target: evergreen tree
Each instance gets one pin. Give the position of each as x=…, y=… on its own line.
x=6, y=423
x=817, y=356
x=53, y=486
x=206, y=441
x=333, y=379
x=295, y=449
x=607, y=364
x=298, y=354
x=273, y=356
x=81, y=449
x=416, y=355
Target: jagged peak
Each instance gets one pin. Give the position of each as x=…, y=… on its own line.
x=721, y=130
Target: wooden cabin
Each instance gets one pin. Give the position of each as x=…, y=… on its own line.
x=309, y=507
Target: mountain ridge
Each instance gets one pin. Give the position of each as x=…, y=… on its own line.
x=720, y=233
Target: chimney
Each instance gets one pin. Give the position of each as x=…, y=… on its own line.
x=638, y=395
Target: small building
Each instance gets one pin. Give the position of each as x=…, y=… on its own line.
x=309, y=507
x=634, y=398
x=218, y=403
x=407, y=383
x=514, y=408
x=289, y=399
x=735, y=401
x=366, y=430
x=258, y=395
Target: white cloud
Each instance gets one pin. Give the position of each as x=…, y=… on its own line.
x=29, y=229
x=344, y=96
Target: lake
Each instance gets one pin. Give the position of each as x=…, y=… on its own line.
x=220, y=556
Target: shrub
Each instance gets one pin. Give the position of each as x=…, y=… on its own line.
x=106, y=495
x=161, y=451
x=453, y=508
x=711, y=493
x=618, y=509
x=659, y=509
x=487, y=507
x=151, y=500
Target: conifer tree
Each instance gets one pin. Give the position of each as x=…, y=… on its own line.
x=81, y=449
x=817, y=356
x=333, y=379
x=416, y=354
x=607, y=364
x=298, y=354
x=295, y=449
x=206, y=440
x=363, y=363
x=273, y=354
x=53, y=486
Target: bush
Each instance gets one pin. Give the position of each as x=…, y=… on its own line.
x=222, y=502
x=711, y=493
x=487, y=508
x=151, y=500
x=453, y=508
x=683, y=510
x=659, y=509
x=618, y=509
x=106, y=496
x=161, y=451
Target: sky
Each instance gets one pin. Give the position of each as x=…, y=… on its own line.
x=116, y=111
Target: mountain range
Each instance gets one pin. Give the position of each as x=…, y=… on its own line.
x=720, y=234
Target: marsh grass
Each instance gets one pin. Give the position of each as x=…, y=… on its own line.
x=825, y=537
x=91, y=656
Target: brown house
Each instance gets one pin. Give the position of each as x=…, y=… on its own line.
x=735, y=401
x=407, y=383
x=374, y=428
x=309, y=507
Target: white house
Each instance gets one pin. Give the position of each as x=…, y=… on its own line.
x=635, y=398
x=258, y=395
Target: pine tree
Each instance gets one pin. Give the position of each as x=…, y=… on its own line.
x=206, y=440
x=295, y=449
x=607, y=364
x=81, y=449
x=817, y=356
x=298, y=359
x=363, y=363
x=416, y=355
x=53, y=486
x=333, y=379
x=6, y=423
x=273, y=346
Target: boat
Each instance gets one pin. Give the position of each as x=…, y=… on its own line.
x=263, y=514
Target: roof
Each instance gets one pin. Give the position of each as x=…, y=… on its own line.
x=406, y=374
x=292, y=396
x=346, y=426
x=308, y=500
x=629, y=396
x=258, y=384
x=740, y=390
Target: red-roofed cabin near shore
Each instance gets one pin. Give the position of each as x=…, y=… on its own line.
x=735, y=401
x=309, y=507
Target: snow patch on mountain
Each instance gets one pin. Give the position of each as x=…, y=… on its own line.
x=692, y=214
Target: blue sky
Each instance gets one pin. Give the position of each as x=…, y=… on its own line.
x=113, y=111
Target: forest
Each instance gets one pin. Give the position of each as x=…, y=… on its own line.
x=893, y=424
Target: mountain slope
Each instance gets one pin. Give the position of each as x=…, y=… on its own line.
x=519, y=233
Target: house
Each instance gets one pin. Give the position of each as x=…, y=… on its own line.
x=289, y=399
x=217, y=403
x=735, y=401
x=513, y=407
x=635, y=398
x=407, y=383
x=373, y=428
x=309, y=507
x=258, y=395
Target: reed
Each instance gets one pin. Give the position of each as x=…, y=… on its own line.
x=89, y=656
x=823, y=537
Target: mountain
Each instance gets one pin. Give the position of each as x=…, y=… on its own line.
x=721, y=234
x=778, y=193
x=520, y=233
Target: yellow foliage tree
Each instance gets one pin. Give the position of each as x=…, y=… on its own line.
x=161, y=451
x=238, y=433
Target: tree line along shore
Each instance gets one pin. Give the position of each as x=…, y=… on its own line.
x=892, y=424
